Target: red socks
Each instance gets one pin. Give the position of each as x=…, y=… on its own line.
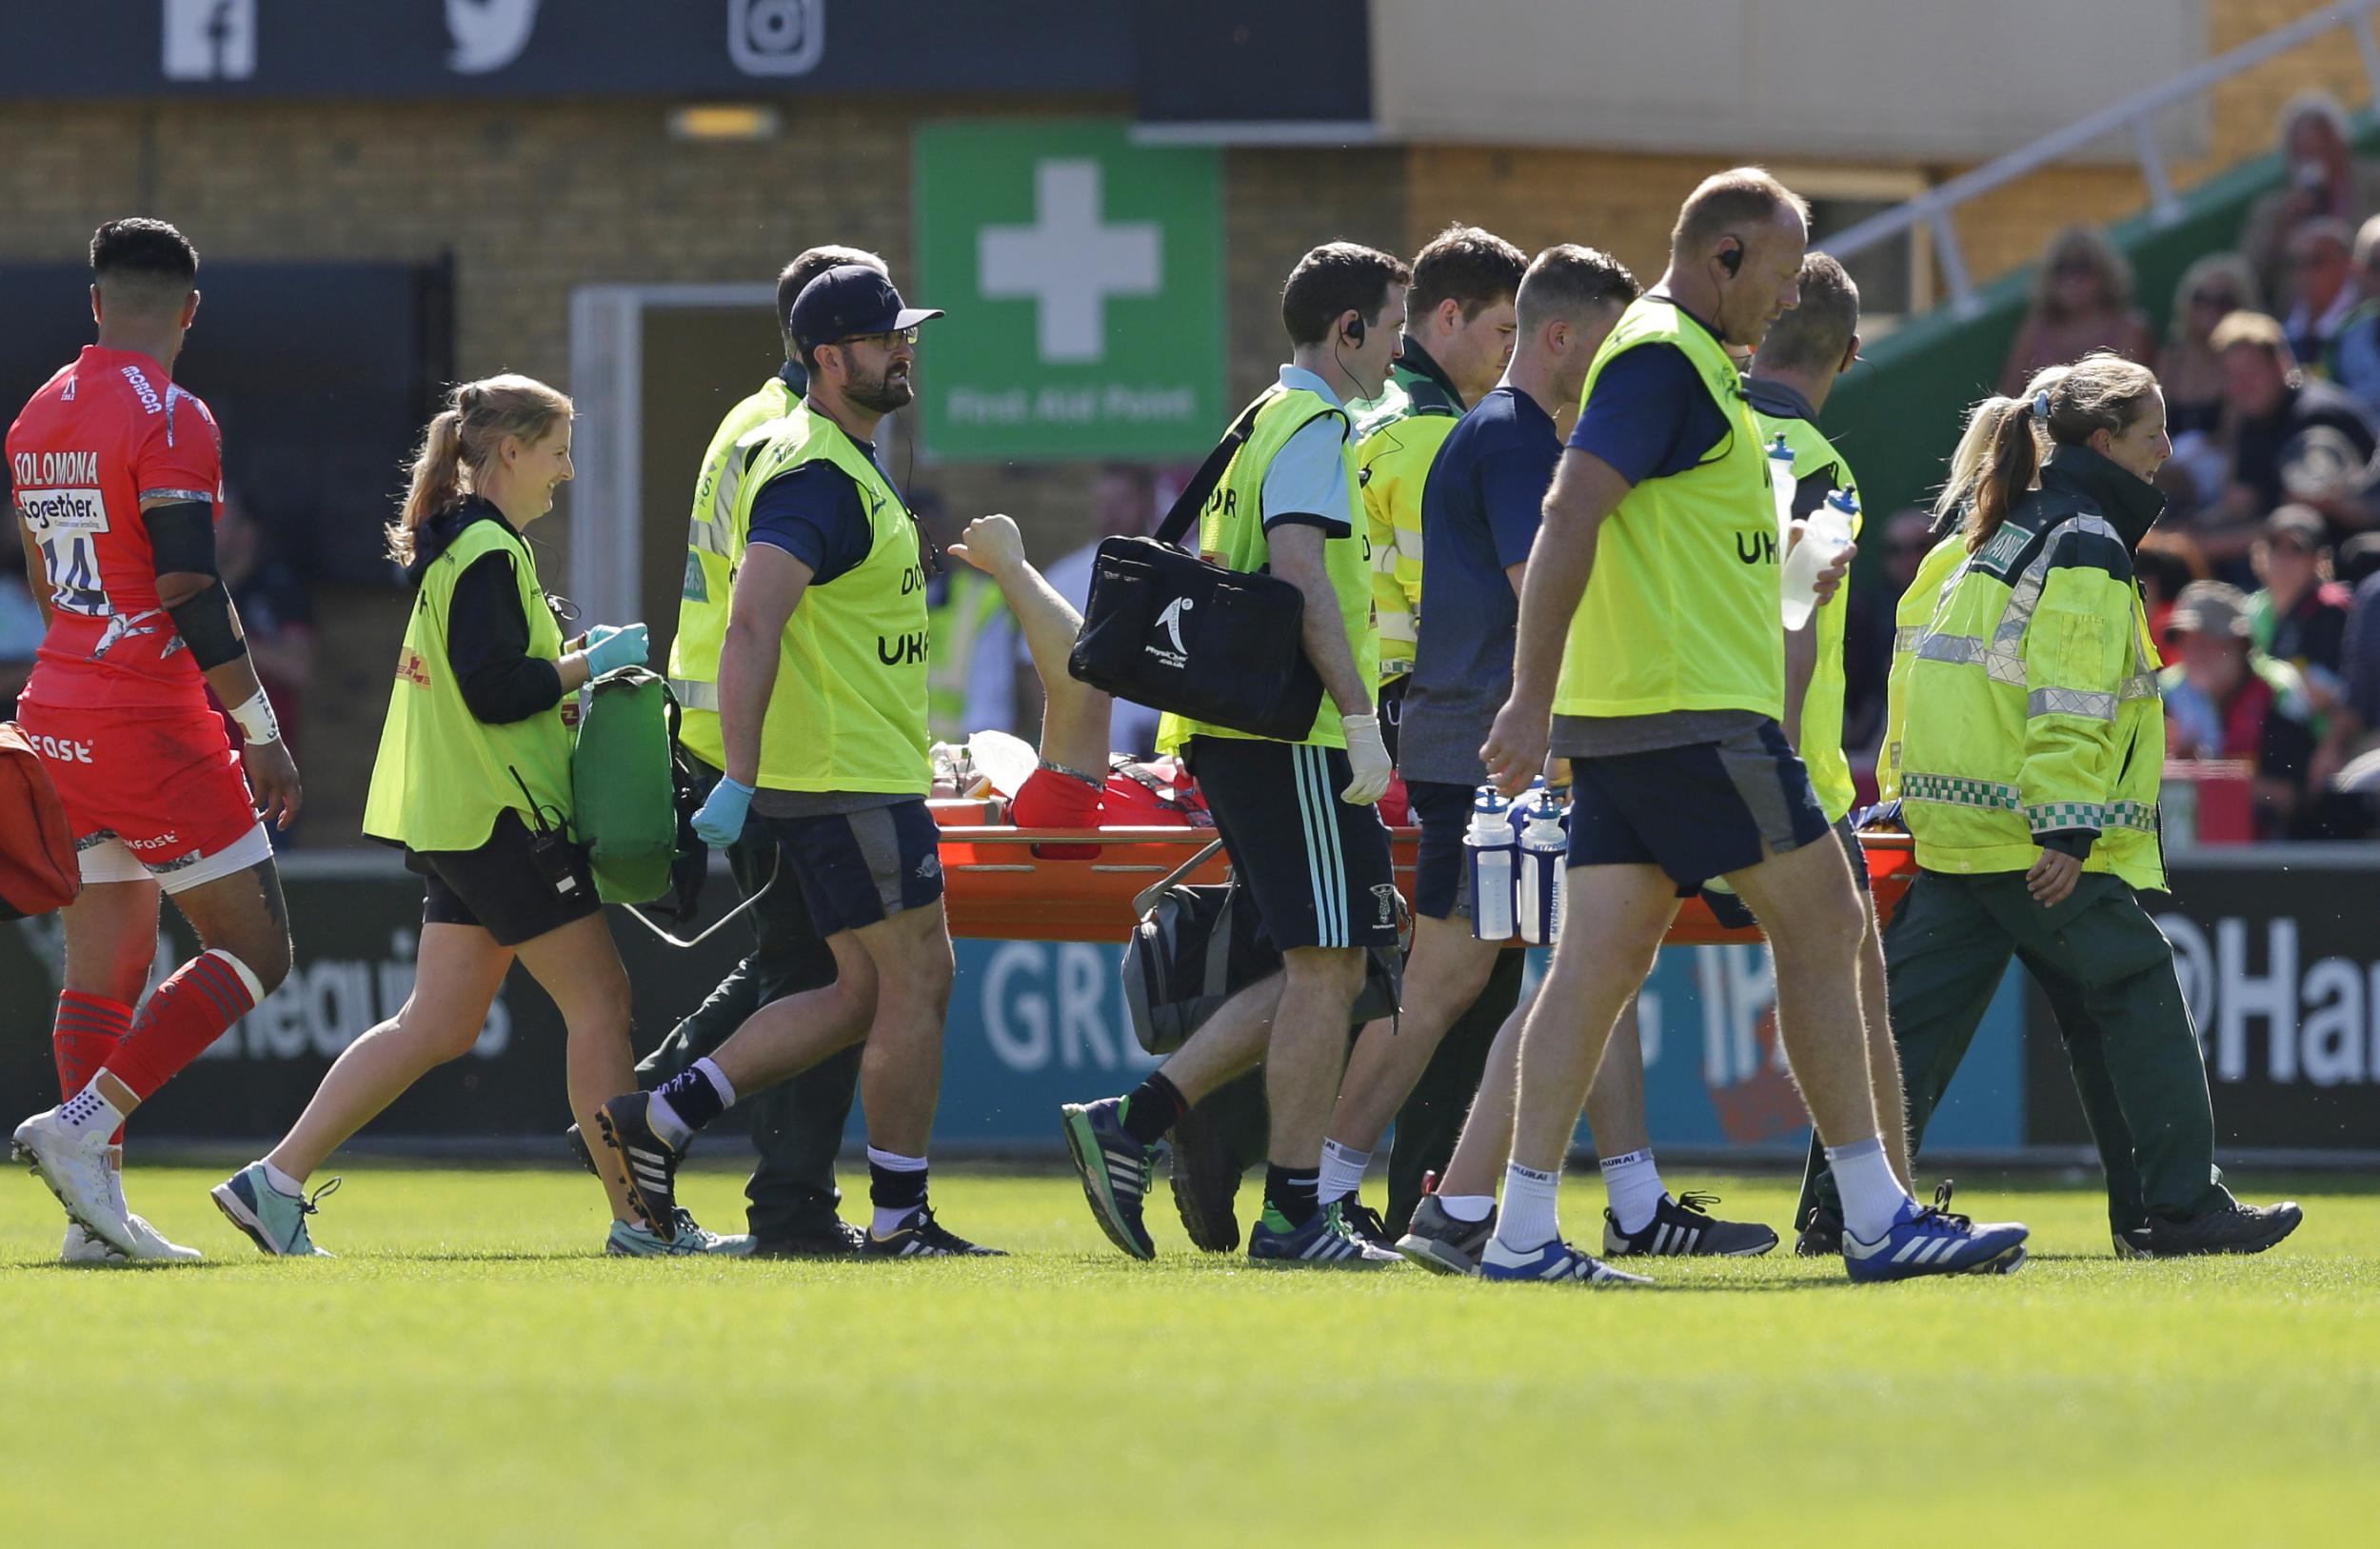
x=188, y=1012
x=85, y=1038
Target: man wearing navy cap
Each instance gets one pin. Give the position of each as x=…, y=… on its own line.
x=822, y=695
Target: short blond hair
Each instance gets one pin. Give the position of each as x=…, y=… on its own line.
x=2254, y=328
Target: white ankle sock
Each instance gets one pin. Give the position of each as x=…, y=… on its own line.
x=1530, y=1220
x=1873, y=1198
x=720, y=1084
x=89, y=1111
x=1633, y=1183
x=282, y=1182
x=1343, y=1171
x=886, y=1219
x=1468, y=1208
x=674, y=1131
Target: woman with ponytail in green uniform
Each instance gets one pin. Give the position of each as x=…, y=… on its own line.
x=473, y=782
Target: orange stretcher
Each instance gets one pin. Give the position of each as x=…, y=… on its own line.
x=1000, y=881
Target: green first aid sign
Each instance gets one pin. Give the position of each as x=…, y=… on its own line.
x=1083, y=279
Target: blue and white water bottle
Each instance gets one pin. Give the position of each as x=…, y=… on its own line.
x=1491, y=852
x=1544, y=850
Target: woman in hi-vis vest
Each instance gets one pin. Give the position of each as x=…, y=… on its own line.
x=473, y=783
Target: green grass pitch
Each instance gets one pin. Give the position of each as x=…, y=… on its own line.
x=471, y=1373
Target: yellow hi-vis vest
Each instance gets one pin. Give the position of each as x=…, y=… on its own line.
x=1683, y=610
x=714, y=552
x=443, y=775
x=1396, y=445
x=848, y=713
x=1231, y=533
x=970, y=605
x=1817, y=462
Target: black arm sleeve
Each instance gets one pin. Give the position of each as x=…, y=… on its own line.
x=181, y=538
x=487, y=645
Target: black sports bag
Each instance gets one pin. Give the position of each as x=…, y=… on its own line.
x=1166, y=628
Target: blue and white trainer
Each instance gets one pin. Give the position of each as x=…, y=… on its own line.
x=1556, y=1263
x=1325, y=1242
x=1115, y=1170
x=1933, y=1240
x=273, y=1220
x=634, y=1240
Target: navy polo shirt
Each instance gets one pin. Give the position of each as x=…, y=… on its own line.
x=815, y=513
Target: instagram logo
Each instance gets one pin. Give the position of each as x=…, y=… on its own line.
x=776, y=37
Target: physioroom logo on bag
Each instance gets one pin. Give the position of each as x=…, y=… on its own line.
x=1170, y=620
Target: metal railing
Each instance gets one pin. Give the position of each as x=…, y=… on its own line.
x=2135, y=116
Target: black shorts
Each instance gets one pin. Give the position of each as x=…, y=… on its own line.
x=861, y=868
x=1441, y=873
x=499, y=887
x=1698, y=811
x=1318, y=867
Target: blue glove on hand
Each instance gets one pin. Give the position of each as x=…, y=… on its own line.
x=616, y=645
x=719, y=821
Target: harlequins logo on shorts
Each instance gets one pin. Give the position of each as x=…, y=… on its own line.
x=1384, y=894
x=931, y=866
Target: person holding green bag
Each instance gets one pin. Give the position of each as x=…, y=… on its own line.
x=473, y=782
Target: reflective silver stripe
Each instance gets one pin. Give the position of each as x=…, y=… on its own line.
x=695, y=694
x=2003, y=655
x=1905, y=639
x=2142, y=686
x=2069, y=702
x=709, y=537
x=202, y=495
x=1960, y=650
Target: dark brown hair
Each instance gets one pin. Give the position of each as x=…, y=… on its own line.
x=2102, y=391
x=1336, y=278
x=1465, y=263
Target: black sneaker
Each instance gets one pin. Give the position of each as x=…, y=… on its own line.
x=920, y=1236
x=2241, y=1228
x=834, y=1239
x=1205, y=1178
x=1364, y=1221
x=1114, y=1169
x=1822, y=1237
x=652, y=1162
x=1683, y=1227
x=1439, y=1243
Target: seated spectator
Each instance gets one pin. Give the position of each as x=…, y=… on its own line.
x=2323, y=178
x=2358, y=560
x=2166, y=561
x=2300, y=616
x=2353, y=362
x=2354, y=730
x=276, y=615
x=2211, y=289
x=2325, y=272
x=2292, y=438
x=2082, y=301
x=2228, y=700
x=21, y=625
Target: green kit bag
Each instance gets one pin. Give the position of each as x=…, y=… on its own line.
x=622, y=785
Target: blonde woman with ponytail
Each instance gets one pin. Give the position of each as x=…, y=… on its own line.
x=473, y=783
x=2029, y=760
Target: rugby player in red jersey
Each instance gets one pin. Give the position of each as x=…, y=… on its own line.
x=117, y=478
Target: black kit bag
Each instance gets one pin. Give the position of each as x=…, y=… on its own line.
x=1165, y=628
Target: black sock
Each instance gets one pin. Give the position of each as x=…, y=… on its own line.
x=1153, y=1108
x=889, y=1190
x=692, y=1098
x=1293, y=1191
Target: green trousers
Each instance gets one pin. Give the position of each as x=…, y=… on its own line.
x=1429, y=1124
x=797, y=1124
x=2108, y=973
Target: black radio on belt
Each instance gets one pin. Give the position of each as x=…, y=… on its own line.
x=1171, y=630
x=550, y=851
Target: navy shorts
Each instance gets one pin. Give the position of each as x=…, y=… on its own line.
x=1441, y=874
x=1698, y=811
x=1318, y=867
x=861, y=868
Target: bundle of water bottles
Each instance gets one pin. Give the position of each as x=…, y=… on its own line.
x=1515, y=850
x=1826, y=533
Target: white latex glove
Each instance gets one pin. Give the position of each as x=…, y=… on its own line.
x=1367, y=756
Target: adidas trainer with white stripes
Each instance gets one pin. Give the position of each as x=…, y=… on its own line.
x=652, y=1161
x=1555, y=1264
x=1685, y=1226
x=1934, y=1241
x=1114, y=1169
x=1323, y=1243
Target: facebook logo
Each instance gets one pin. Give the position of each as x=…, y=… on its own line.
x=209, y=40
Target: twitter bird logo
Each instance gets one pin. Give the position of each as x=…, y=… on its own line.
x=488, y=34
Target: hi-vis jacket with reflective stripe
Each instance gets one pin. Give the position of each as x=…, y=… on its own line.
x=2031, y=715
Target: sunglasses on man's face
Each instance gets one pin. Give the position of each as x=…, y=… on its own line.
x=883, y=341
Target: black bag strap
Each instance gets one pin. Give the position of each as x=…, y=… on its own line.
x=1186, y=505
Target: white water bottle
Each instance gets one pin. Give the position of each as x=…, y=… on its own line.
x=1782, y=485
x=1823, y=539
x=1490, y=853
x=1544, y=846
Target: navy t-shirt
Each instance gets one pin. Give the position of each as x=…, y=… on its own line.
x=1480, y=513
x=1649, y=416
x=815, y=513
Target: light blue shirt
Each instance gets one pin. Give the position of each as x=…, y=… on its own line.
x=1309, y=475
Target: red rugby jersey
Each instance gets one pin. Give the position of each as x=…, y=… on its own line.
x=108, y=432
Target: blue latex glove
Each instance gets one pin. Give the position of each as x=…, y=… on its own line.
x=719, y=821
x=616, y=645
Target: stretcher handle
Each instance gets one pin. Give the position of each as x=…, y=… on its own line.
x=1145, y=899
x=777, y=859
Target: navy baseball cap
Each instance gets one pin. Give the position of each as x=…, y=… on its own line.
x=846, y=300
